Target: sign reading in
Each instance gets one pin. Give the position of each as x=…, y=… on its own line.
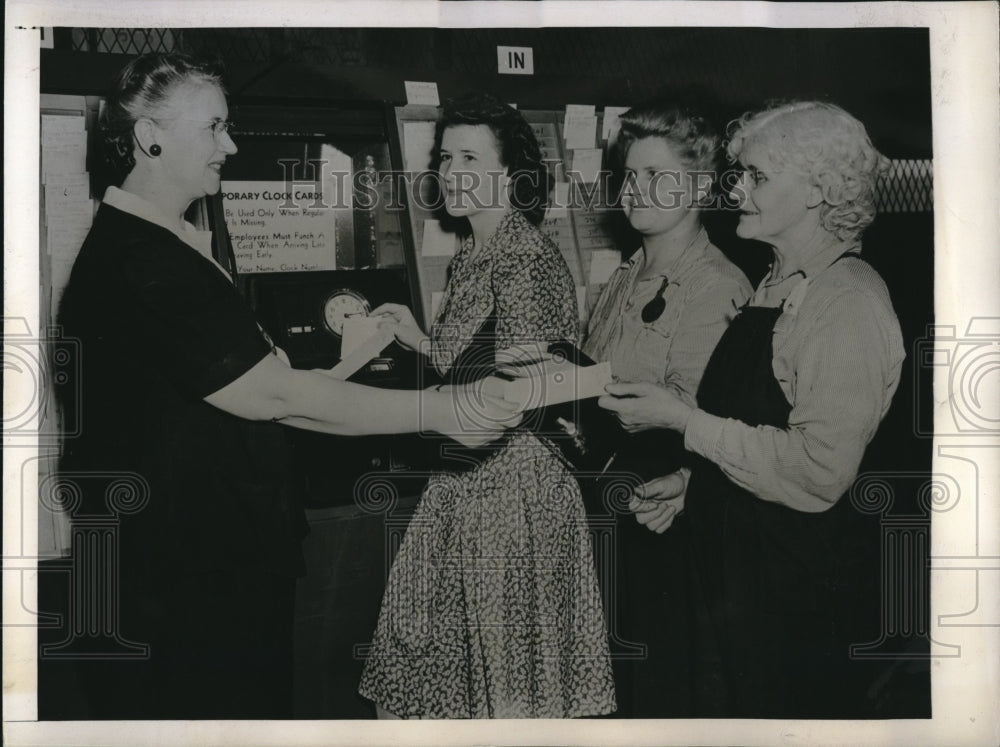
x=515, y=61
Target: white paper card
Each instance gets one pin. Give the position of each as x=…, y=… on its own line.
x=579, y=132
x=436, y=242
x=612, y=123
x=418, y=142
x=357, y=331
x=556, y=383
x=81, y=178
x=64, y=152
x=53, y=124
x=360, y=357
x=587, y=163
x=421, y=92
x=580, y=110
x=603, y=262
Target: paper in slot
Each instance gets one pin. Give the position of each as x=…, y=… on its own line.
x=578, y=132
x=418, y=144
x=587, y=164
x=357, y=331
x=422, y=92
x=612, y=122
x=361, y=356
x=560, y=201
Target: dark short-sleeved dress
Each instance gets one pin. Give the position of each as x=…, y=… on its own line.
x=208, y=534
x=492, y=607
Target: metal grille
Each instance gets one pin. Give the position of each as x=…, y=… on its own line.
x=233, y=45
x=350, y=47
x=126, y=41
x=908, y=187
x=630, y=54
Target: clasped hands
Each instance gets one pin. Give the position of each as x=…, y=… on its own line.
x=641, y=407
x=658, y=502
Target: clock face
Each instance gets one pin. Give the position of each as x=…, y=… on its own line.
x=341, y=304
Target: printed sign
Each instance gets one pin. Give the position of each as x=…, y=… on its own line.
x=515, y=61
x=277, y=228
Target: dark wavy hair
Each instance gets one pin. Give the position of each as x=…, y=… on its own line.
x=141, y=90
x=686, y=131
x=517, y=145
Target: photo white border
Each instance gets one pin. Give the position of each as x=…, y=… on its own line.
x=965, y=69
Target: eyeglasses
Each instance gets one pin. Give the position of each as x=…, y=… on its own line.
x=654, y=309
x=218, y=126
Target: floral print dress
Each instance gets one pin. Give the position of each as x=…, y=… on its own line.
x=492, y=608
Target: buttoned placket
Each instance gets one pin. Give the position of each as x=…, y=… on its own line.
x=670, y=273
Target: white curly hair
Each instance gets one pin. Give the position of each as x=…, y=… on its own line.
x=829, y=146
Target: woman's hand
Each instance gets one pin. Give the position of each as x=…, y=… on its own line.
x=473, y=414
x=399, y=320
x=640, y=407
x=658, y=502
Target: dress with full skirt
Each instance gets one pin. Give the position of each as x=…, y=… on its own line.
x=492, y=608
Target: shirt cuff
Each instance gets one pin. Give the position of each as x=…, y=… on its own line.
x=703, y=433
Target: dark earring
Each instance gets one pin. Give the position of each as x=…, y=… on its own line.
x=155, y=149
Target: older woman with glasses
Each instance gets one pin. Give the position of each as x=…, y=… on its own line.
x=184, y=399
x=657, y=321
x=790, y=399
